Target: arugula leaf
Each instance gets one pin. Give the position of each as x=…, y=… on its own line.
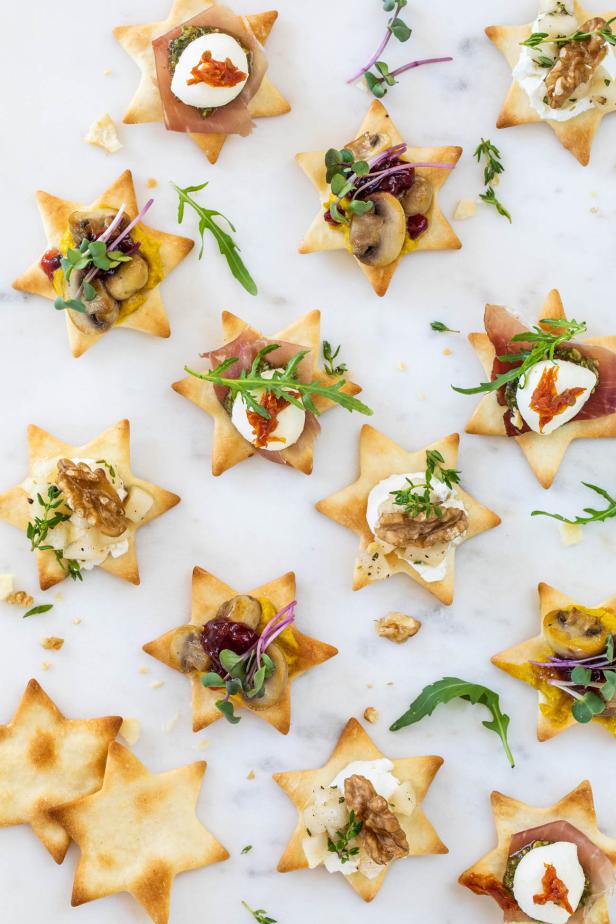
x=43, y=608
x=449, y=688
x=227, y=246
x=592, y=514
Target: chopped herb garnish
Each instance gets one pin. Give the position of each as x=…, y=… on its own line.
x=283, y=384
x=449, y=688
x=490, y=198
x=329, y=357
x=246, y=849
x=542, y=344
x=227, y=246
x=442, y=328
x=381, y=79
x=260, y=915
x=493, y=167
x=43, y=608
x=590, y=514
x=340, y=844
x=419, y=502
x=544, y=61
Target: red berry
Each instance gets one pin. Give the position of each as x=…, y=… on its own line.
x=416, y=225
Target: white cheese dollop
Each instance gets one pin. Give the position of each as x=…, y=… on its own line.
x=569, y=375
x=202, y=95
x=558, y=19
x=378, y=772
x=527, y=881
x=381, y=493
x=289, y=426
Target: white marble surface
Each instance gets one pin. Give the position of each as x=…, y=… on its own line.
x=256, y=522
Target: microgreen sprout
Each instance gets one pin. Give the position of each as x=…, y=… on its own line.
x=590, y=682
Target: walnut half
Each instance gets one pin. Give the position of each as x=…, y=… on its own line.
x=397, y=528
x=381, y=833
x=397, y=626
x=91, y=496
x=576, y=64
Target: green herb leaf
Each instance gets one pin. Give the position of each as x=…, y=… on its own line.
x=61, y=303
x=43, y=608
x=442, y=328
x=581, y=675
x=211, y=679
x=329, y=357
x=224, y=706
x=449, y=688
x=400, y=30
x=492, y=155
x=340, y=844
x=590, y=514
x=246, y=849
x=260, y=915
x=227, y=246
x=489, y=197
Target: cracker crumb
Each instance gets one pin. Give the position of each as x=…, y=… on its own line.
x=398, y=627
x=130, y=730
x=402, y=366
x=107, y=72
x=20, y=598
x=465, y=208
x=151, y=182
x=157, y=684
x=371, y=715
x=422, y=396
x=594, y=210
x=52, y=643
x=389, y=683
x=571, y=533
x=7, y=586
x=447, y=351
x=370, y=685
x=143, y=669
x=77, y=621
x=171, y=723
x=45, y=665
x=104, y=134
x=59, y=597
x=252, y=775
x=202, y=744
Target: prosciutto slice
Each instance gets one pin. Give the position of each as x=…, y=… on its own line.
x=596, y=865
x=501, y=327
x=232, y=119
x=245, y=347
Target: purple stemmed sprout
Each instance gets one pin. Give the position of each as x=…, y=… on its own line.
x=252, y=660
x=591, y=681
x=385, y=78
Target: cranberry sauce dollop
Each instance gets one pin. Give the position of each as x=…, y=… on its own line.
x=219, y=634
x=416, y=225
x=50, y=262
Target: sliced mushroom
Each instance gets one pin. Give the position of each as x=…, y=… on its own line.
x=418, y=199
x=276, y=684
x=128, y=278
x=575, y=632
x=186, y=651
x=101, y=312
x=377, y=237
x=368, y=144
x=91, y=223
x=242, y=608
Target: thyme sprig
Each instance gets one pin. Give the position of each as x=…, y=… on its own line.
x=344, y=837
x=38, y=529
x=329, y=357
x=543, y=345
x=592, y=515
x=259, y=914
x=283, y=384
x=381, y=79
x=442, y=328
x=537, y=38
x=226, y=244
x=418, y=503
x=493, y=167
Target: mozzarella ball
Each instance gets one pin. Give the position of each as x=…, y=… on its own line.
x=202, y=95
x=568, y=375
x=528, y=881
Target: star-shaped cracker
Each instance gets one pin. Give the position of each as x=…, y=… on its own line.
x=575, y=134
x=544, y=452
x=555, y=718
x=355, y=744
x=146, y=104
x=208, y=594
x=513, y=817
x=230, y=447
x=138, y=833
x=112, y=445
x=150, y=317
x=439, y=236
x=47, y=760
x=380, y=457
